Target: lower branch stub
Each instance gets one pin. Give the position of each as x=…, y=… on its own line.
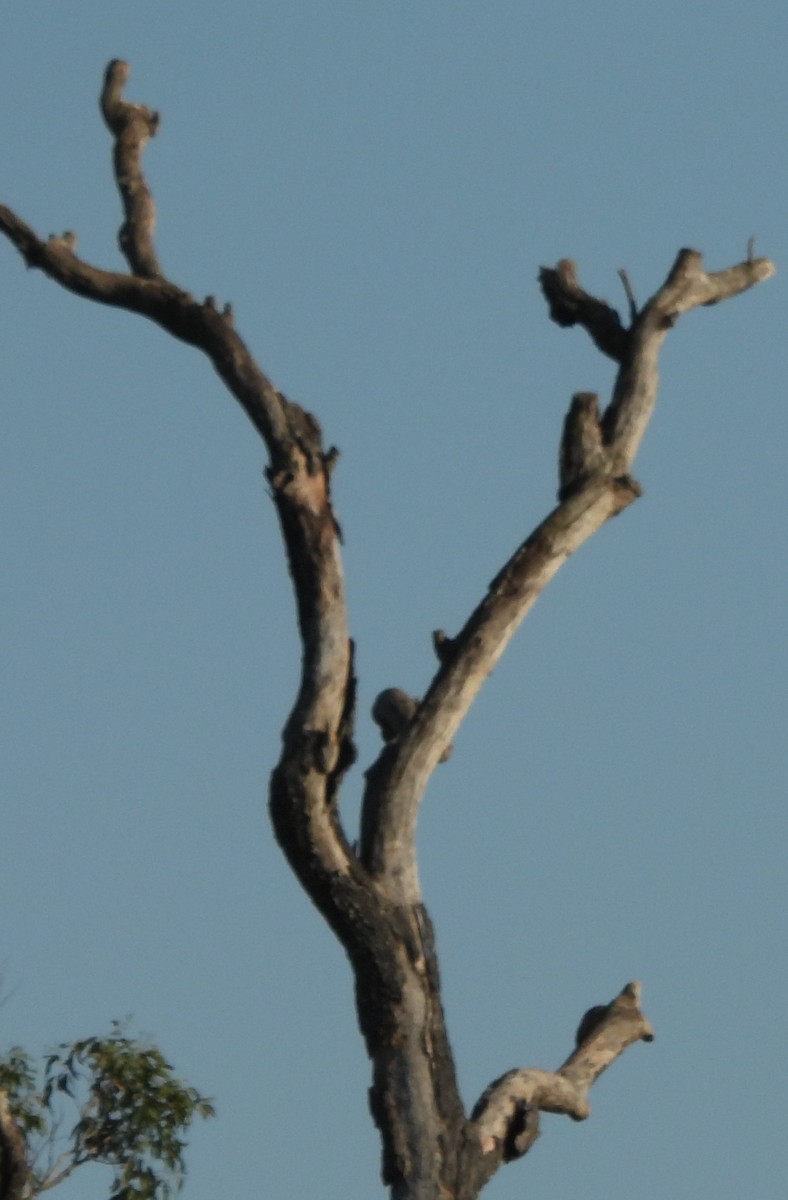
x=505, y=1120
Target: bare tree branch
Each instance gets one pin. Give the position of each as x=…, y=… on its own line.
x=58, y=1173
x=570, y=305
x=687, y=286
x=131, y=125
x=372, y=901
x=505, y=1120
x=595, y=485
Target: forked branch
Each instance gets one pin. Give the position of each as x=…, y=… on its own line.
x=372, y=899
x=597, y=453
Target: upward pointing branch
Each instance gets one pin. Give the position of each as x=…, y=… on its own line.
x=597, y=456
x=131, y=125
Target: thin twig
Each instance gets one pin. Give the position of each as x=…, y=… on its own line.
x=631, y=301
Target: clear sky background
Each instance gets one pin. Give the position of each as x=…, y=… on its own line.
x=374, y=187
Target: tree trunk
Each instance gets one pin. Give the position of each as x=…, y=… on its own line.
x=370, y=895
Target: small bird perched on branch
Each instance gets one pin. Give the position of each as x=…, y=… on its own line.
x=393, y=712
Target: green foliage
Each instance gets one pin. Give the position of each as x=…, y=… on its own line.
x=18, y=1079
x=132, y=1114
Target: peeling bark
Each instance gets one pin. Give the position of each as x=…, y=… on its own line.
x=372, y=899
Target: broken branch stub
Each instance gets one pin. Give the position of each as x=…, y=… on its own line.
x=505, y=1118
x=131, y=125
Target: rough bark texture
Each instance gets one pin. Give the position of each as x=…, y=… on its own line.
x=372, y=899
x=13, y=1162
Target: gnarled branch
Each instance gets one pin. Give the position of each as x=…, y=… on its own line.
x=372, y=900
x=505, y=1119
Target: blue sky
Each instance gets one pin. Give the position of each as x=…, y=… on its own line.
x=374, y=187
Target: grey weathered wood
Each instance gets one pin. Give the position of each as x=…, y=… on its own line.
x=372, y=899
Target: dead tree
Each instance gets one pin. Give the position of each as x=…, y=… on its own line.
x=369, y=891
